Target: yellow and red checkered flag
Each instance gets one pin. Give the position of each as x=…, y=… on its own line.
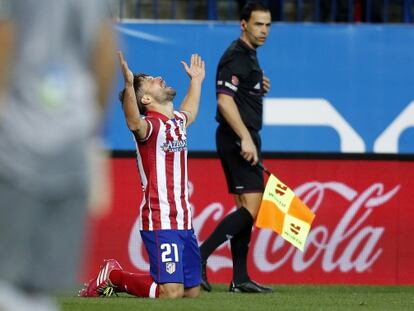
x=284, y=212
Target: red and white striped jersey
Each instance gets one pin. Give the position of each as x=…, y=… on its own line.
x=162, y=165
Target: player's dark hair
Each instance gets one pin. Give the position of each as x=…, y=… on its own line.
x=250, y=7
x=138, y=78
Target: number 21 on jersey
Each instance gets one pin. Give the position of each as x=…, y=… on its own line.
x=169, y=252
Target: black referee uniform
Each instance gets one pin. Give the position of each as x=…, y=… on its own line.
x=239, y=76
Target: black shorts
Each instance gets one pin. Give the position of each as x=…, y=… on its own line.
x=240, y=175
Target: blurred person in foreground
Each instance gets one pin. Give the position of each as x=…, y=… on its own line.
x=165, y=212
x=57, y=67
x=240, y=87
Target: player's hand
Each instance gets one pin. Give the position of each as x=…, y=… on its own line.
x=249, y=151
x=197, y=68
x=266, y=85
x=127, y=73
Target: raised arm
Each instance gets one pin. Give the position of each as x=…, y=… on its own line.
x=196, y=71
x=129, y=102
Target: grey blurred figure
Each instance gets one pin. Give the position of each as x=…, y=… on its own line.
x=57, y=63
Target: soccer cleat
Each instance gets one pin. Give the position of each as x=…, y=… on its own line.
x=204, y=282
x=249, y=287
x=101, y=285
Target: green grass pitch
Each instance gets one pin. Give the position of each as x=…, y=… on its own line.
x=285, y=297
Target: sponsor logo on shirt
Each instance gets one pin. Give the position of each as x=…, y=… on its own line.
x=174, y=146
x=257, y=86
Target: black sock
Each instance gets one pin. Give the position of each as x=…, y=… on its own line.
x=239, y=251
x=231, y=225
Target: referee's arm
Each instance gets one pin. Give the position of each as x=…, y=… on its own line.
x=231, y=114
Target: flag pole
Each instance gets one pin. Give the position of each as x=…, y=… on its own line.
x=259, y=164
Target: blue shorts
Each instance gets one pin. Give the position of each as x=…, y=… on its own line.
x=174, y=256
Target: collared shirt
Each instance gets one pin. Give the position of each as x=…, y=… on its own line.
x=239, y=76
x=162, y=165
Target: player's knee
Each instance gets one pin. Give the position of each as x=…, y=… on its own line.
x=174, y=294
x=172, y=291
x=192, y=292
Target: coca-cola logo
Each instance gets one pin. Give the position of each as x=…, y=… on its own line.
x=359, y=242
x=348, y=243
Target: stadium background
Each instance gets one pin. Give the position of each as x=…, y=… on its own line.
x=338, y=130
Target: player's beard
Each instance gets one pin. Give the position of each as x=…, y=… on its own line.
x=168, y=95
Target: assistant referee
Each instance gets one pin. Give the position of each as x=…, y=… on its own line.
x=240, y=87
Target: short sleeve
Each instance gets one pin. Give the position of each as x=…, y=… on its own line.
x=183, y=116
x=231, y=73
x=150, y=130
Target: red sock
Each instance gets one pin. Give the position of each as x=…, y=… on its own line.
x=141, y=285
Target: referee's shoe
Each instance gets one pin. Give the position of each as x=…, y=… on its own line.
x=249, y=287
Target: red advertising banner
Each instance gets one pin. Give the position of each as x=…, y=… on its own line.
x=362, y=232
